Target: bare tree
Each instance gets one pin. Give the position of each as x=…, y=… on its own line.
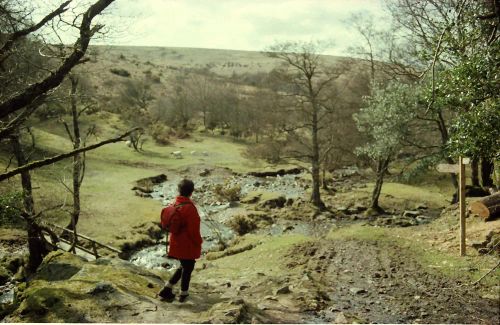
x=36, y=243
x=137, y=98
x=32, y=92
x=308, y=78
x=80, y=102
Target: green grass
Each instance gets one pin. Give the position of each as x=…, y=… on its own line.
x=109, y=206
x=268, y=256
x=409, y=194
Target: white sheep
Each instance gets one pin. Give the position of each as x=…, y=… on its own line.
x=177, y=154
x=128, y=143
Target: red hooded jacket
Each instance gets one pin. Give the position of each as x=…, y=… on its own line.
x=186, y=244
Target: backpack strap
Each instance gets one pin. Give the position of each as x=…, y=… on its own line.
x=182, y=204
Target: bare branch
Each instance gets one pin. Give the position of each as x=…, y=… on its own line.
x=17, y=35
x=48, y=161
x=32, y=92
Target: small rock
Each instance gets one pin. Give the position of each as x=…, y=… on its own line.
x=341, y=319
x=205, y=172
x=357, y=291
x=271, y=298
x=360, y=207
x=151, y=285
x=243, y=287
x=282, y=290
x=5, y=275
x=262, y=306
x=411, y=213
x=421, y=206
x=238, y=301
x=102, y=287
x=377, y=275
x=422, y=219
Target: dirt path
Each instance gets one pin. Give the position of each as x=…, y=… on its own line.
x=365, y=282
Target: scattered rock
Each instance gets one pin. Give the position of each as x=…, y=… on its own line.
x=143, y=194
x=341, y=319
x=102, y=287
x=282, y=290
x=357, y=291
x=411, y=213
x=422, y=219
x=359, y=207
x=158, y=179
x=342, y=209
x=243, y=287
x=144, y=190
x=421, y=206
x=205, y=172
x=274, y=173
x=5, y=275
x=272, y=200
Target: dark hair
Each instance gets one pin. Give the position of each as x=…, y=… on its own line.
x=186, y=187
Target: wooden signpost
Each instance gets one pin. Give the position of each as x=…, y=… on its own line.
x=460, y=170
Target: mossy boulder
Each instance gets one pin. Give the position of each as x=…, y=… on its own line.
x=272, y=200
x=265, y=199
x=69, y=289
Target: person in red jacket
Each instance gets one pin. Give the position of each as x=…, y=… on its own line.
x=185, y=245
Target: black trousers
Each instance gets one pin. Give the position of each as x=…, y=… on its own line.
x=184, y=273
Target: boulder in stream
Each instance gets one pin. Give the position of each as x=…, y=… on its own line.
x=274, y=173
x=145, y=185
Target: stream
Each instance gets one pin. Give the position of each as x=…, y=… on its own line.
x=215, y=213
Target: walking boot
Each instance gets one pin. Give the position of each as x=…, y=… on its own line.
x=167, y=294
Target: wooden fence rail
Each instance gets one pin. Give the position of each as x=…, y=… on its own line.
x=94, y=243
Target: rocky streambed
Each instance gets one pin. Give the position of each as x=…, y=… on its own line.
x=216, y=212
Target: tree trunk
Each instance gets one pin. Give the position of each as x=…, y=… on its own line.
x=36, y=246
x=486, y=171
x=475, y=172
x=77, y=159
x=382, y=165
x=316, y=196
x=487, y=207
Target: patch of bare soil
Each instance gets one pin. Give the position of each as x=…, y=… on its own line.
x=359, y=281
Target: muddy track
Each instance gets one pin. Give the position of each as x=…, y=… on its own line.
x=366, y=282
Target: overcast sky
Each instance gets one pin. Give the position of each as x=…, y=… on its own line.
x=236, y=24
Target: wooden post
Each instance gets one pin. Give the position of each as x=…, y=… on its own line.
x=94, y=248
x=462, y=204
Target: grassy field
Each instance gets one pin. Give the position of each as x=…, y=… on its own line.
x=109, y=206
